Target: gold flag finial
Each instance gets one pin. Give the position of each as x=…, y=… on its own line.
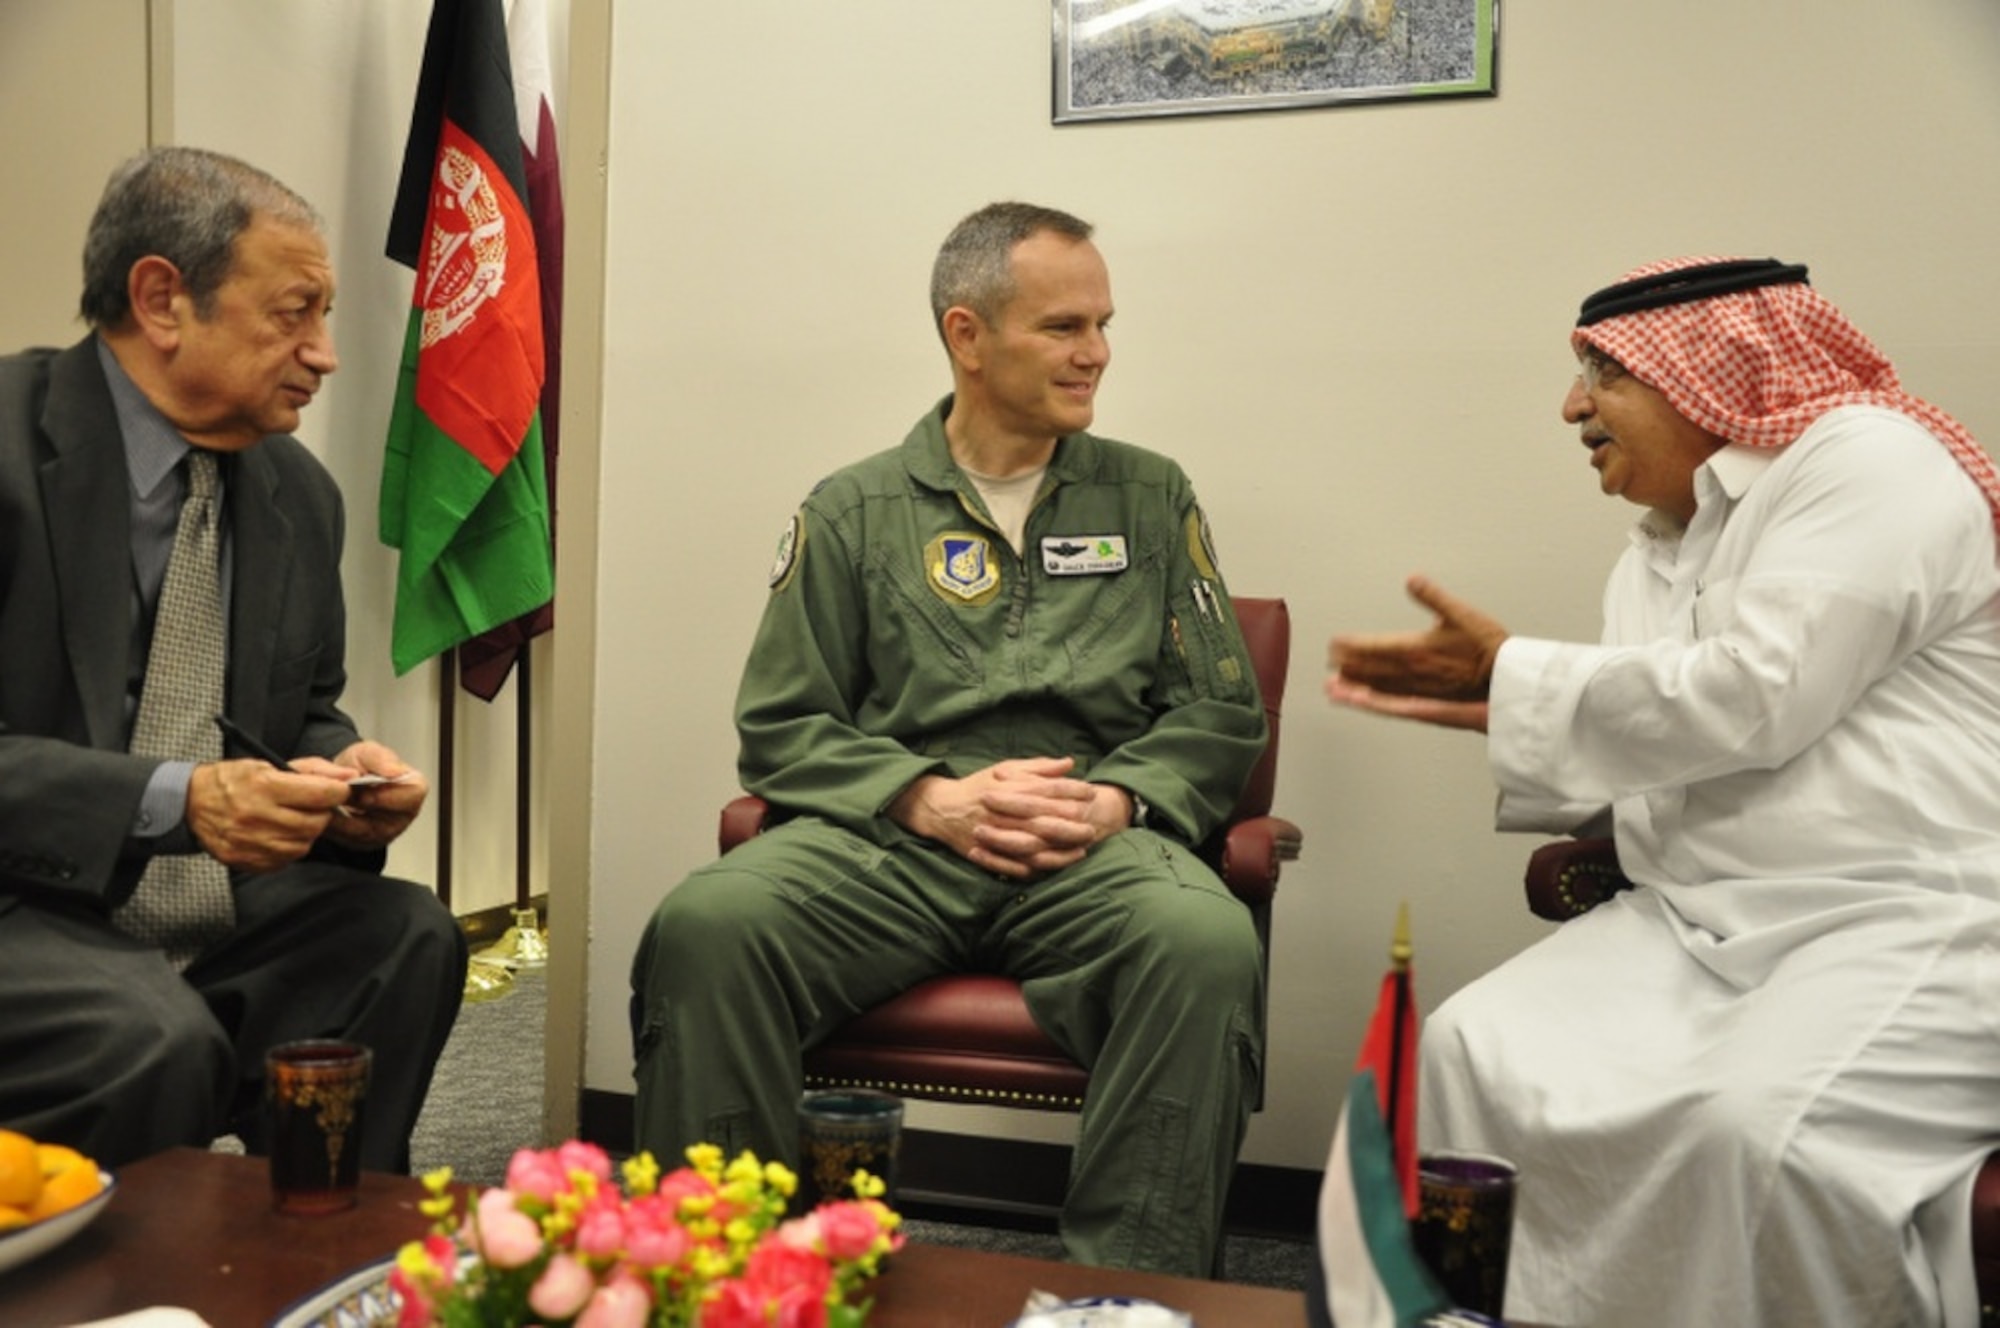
x=1400, y=949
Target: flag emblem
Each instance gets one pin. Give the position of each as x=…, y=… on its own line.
x=466, y=261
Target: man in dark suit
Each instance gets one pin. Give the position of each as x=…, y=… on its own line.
x=133, y=1017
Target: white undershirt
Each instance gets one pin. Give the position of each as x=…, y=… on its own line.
x=1009, y=499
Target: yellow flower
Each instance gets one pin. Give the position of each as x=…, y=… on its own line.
x=642, y=1174
x=414, y=1260
x=711, y=1263
x=744, y=1170
x=437, y=1184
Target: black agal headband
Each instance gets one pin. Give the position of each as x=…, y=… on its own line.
x=1688, y=283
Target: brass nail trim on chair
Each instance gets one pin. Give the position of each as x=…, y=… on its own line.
x=951, y=1092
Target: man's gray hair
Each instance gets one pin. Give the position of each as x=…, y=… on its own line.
x=974, y=268
x=185, y=205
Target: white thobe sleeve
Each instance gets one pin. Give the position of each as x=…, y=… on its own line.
x=1830, y=575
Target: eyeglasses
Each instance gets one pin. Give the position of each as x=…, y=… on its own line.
x=1597, y=370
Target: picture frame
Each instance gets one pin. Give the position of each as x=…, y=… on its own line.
x=1134, y=59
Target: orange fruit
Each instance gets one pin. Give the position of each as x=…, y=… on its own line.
x=68, y=1178
x=20, y=1170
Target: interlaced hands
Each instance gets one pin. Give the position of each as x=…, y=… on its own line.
x=1439, y=675
x=1020, y=819
x=252, y=816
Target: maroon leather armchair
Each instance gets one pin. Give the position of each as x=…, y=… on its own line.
x=1573, y=876
x=968, y=1037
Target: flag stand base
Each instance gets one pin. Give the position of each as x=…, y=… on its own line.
x=522, y=946
x=486, y=980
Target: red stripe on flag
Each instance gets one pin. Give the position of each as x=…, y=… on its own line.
x=479, y=365
x=1389, y=1048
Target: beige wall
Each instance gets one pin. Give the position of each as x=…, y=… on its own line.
x=55, y=175
x=1347, y=324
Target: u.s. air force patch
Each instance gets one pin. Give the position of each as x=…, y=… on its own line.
x=790, y=545
x=962, y=567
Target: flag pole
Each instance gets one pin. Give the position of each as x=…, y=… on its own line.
x=523, y=763
x=525, y=943
x=447, y=747
x=484, y=981
x=1400, y=953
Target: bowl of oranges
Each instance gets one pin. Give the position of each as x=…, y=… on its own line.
x=48, y=1193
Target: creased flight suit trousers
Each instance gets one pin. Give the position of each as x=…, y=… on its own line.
x=1137, y=961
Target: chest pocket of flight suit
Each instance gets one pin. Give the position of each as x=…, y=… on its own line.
x=1120, y=605
x=918, y=625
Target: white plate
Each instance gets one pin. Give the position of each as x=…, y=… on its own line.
x=360, y=1299
x=21, y=1244
x=1103, y=1312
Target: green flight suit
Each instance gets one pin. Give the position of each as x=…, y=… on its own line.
x=903, y=636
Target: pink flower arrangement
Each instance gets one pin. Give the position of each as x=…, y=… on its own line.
x=706, y=1246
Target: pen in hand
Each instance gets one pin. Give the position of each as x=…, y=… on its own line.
x=232, y=733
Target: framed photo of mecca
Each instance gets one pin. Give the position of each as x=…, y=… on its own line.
x=1128, y=59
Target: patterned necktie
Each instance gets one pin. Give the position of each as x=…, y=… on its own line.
x=182, y=903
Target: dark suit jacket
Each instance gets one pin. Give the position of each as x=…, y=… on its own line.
x=68, y=790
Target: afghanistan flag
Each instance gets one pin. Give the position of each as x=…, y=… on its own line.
x=485, y=661
x=463, y=493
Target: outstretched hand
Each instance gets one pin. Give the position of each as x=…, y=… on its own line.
x=1439, y=675
x=1429, y=710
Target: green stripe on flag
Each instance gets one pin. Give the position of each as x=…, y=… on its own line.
x=475, y=546
x=1378, y=1192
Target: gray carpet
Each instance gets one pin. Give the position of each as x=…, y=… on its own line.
x=486, y=1097
x=486, y=1102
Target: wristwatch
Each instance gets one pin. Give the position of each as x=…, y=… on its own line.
x=1142, y=811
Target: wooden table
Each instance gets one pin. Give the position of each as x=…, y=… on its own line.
x=195, y=1229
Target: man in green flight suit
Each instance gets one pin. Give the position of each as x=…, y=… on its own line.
x=997, y=693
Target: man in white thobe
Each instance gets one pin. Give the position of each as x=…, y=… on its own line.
x=1754, y=1089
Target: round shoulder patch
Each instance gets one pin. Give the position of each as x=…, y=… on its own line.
x=790, y=545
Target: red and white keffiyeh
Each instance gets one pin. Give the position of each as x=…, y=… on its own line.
x=1758, y=366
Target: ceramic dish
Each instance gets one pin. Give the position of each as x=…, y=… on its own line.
x=1101, y=1312
x=361, y=1299
x=21, y=1244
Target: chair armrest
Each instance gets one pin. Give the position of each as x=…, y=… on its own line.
x=1572, y=876
x=1253, y=850
x=742, y=818
x=1986, y=1232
